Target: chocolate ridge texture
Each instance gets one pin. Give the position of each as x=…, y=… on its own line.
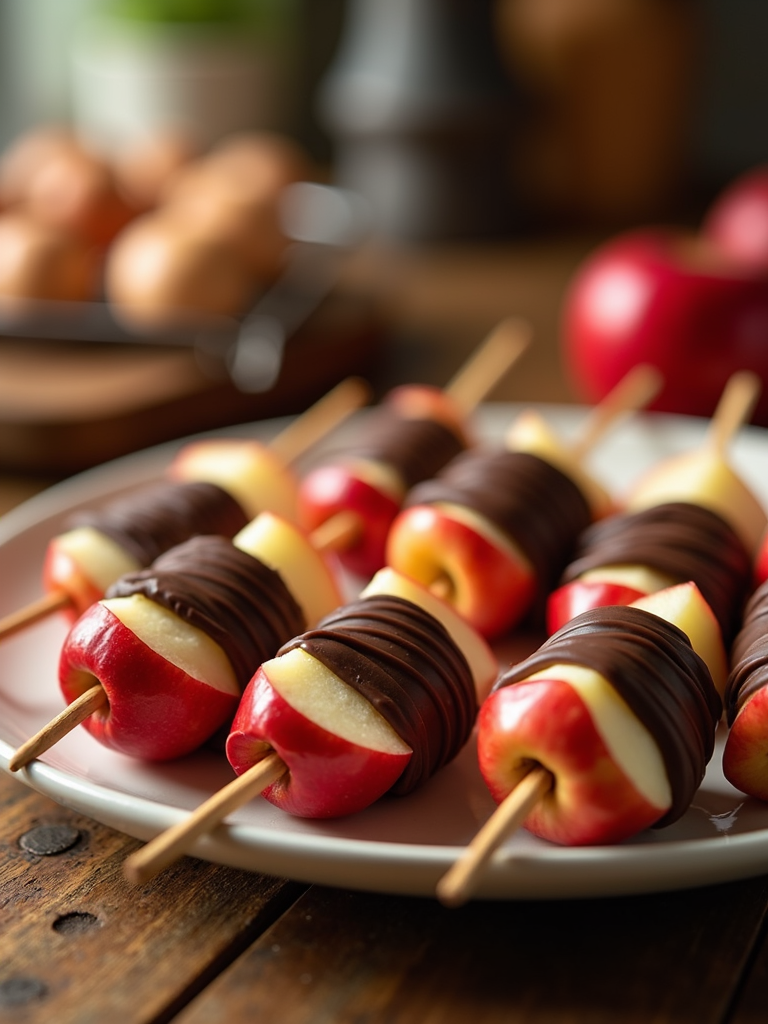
x=681, y=540
x=652, y=666
x=415, y=448
x=231, y=596
x=405, y=663
x=149, y=521
x=749, y=655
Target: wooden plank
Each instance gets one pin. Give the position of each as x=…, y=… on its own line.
x=751, y=1003
x=346, y=957
x=78, y=943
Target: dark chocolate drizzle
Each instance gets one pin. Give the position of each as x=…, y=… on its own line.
x=529, y=499
x=238, y=601
x=652, y=666
x=681, y=540
x=149, y=521
x=415, y=448
x=749, y=655
x=404, y=662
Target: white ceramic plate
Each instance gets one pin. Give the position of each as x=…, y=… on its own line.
x=397, y=846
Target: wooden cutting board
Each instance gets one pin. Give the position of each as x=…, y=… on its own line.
x=65, y=407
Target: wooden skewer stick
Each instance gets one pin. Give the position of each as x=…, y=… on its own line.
x=304, y=431
x=634, y=391
x=489, y=363
x=734, y=409
x=72, y=715
x=479, y=375
x=459, y=882
x=160, y=852
x=320, y=419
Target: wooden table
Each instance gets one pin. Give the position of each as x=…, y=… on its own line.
x=204, y=943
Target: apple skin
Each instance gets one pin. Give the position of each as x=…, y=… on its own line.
x=328, y=776
x=655, y=296
x=62, y=573
x=737, y=221
x=156, y=710
x=428, y=544
x=579, y=596
x=333, y=489
x=745, y=756
x=544, y=721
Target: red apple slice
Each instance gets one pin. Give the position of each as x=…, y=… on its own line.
x=487, y=578
x=609, y=777
x=82, y=563
x=596, y=588
x=369, y=491
x=745, y=756
x=169, y=686
x=340, y=753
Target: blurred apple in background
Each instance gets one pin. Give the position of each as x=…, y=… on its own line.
x=737, y=222
x=693, y=304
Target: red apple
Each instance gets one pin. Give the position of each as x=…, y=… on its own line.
x=367, y=492
x=660, y=297
x=737, y=221
x=168, y=685
x=609, y=776
x=478, y=570
x=593, y=799
x=82, y=563
x=340, y=754
x=580, y=595
x=745, y=756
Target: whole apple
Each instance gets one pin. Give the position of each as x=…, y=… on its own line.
x=672, y=300
x=737, y=221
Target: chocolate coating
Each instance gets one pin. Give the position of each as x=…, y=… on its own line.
x=415, y=448
x=681, y=540
x=529, y=499
x=404, y=662
x=149, y=521
x=652, y=666
x=231, y=596
x=749, y=655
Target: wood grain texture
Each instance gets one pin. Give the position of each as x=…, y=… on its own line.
x=347, y=958
x=79, y=944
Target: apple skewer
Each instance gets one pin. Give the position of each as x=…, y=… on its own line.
x=289, y=445
x=633, y=710
x=456, y=886
x=689, y=517
x=417, y=429
x=504, y=519
x=398, y=726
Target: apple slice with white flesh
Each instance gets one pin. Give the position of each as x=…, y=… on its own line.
x=565, y=755
x=81, y=563
x=706, y=476
x=315, y=746
x=146, y=682
x=702, y=477
x=367, y=492
x=457, y=548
